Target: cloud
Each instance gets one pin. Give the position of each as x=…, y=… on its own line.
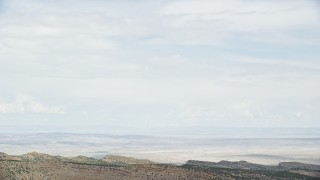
x=212, y=22
x=241, y=15
x=27, y=104
x=199, y=61
x=96, y=26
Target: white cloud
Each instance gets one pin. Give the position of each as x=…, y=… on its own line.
x=27, y=104
x=298, y=114
x=211, y=22
x=244, y=57
x=241, y=15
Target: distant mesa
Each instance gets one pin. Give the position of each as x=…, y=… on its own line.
x=107, y=160
x=125, y=160
x=299, y=165
x=283, y=166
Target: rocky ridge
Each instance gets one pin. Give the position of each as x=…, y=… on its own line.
x=38, y=166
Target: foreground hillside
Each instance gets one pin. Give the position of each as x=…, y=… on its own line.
x=42, y=166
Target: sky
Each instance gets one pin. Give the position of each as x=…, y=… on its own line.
x=160, y=63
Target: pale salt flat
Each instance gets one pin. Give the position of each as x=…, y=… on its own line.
x=167, y=149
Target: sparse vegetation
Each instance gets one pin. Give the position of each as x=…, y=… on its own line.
x=38, y=166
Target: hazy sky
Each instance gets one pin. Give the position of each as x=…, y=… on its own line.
x=158, y=63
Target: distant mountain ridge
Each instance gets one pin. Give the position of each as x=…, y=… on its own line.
x=235, y=165
x=294, y=167
x=107, y=160
x=299, y=165
x=283, y=166
x=125, y=160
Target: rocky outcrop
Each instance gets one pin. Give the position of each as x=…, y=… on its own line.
x=236, y=165
x=299, y=165
x=283, y=166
